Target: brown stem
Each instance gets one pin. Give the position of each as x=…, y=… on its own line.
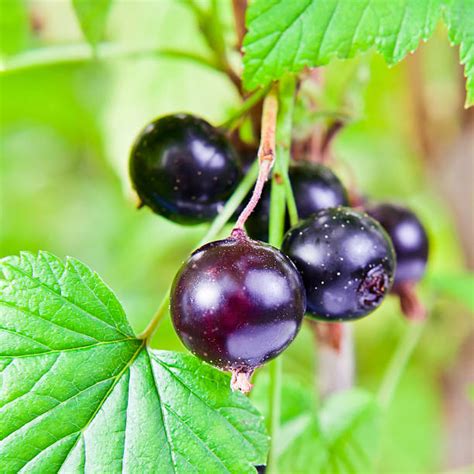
x=329, y=334
x=266, y=155
x=336, y=365
x=328, y=138
x=411, y=306
x=239, y=6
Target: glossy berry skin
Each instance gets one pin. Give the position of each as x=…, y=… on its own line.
x=237, y=303
x=315, y=187
x=183, y=168
x=408, y=237
x=346, y=260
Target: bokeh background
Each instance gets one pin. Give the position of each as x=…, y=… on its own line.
x=66, y=130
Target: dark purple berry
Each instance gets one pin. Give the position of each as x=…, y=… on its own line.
x=237, y=303
x=183, y=168
x=408, y=237
x=315, y=188
x=346, y=260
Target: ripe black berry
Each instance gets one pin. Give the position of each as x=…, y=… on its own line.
x=237, y=303
x=346, y=260
x=409, y=240
x=315, y=188
x=183, y=168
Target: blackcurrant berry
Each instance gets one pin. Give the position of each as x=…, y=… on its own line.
x=315, y=188
x=237, y=303
x=183, y=168
x=346, y=260
x=409, y=240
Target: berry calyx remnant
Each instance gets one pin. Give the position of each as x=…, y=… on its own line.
x=346, y=260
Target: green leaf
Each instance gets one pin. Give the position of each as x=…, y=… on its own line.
x=14, y=27
x=459, y=16
x=92, y=16
x=300, y=445
x=288, y=36
x=341, y=438
x=459, y=287
x=349, y=424
x=79, y=393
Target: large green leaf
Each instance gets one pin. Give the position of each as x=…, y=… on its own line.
x=79, y=393
x=288, y=36
x=92, y=16
x=459, y=16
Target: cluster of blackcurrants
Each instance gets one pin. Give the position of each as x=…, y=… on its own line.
x=239, y=302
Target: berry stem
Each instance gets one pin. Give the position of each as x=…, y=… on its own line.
x=217, y=224
x=411, y=306
x=266, y=154
x=336, y=364
x=286, y=95
x=234, y=120
x=264, y=170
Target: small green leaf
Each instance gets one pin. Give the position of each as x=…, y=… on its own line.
x=459, y=16
x=79, y=393
x=288, y=36
x=92, y=16
x=341, y=438
x=349, y=424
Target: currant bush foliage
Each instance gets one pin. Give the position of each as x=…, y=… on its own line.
x=80, y=393
x=459, y=16
x=340, y=437
x=288, y=36
x=92, y=17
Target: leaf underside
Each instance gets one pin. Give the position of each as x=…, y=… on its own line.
x=79, y=393
x=285, y=37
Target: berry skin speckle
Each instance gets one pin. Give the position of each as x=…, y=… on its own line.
x=183, y=168
x=358, y=270
x=237, y=303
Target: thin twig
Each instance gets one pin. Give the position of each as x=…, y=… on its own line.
x=239, y=7
x=219, y=222
x=266, y=155
x=77, y=53
x=246, y=106
x=157, y=318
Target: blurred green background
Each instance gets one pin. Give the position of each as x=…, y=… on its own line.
x=66, y=130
